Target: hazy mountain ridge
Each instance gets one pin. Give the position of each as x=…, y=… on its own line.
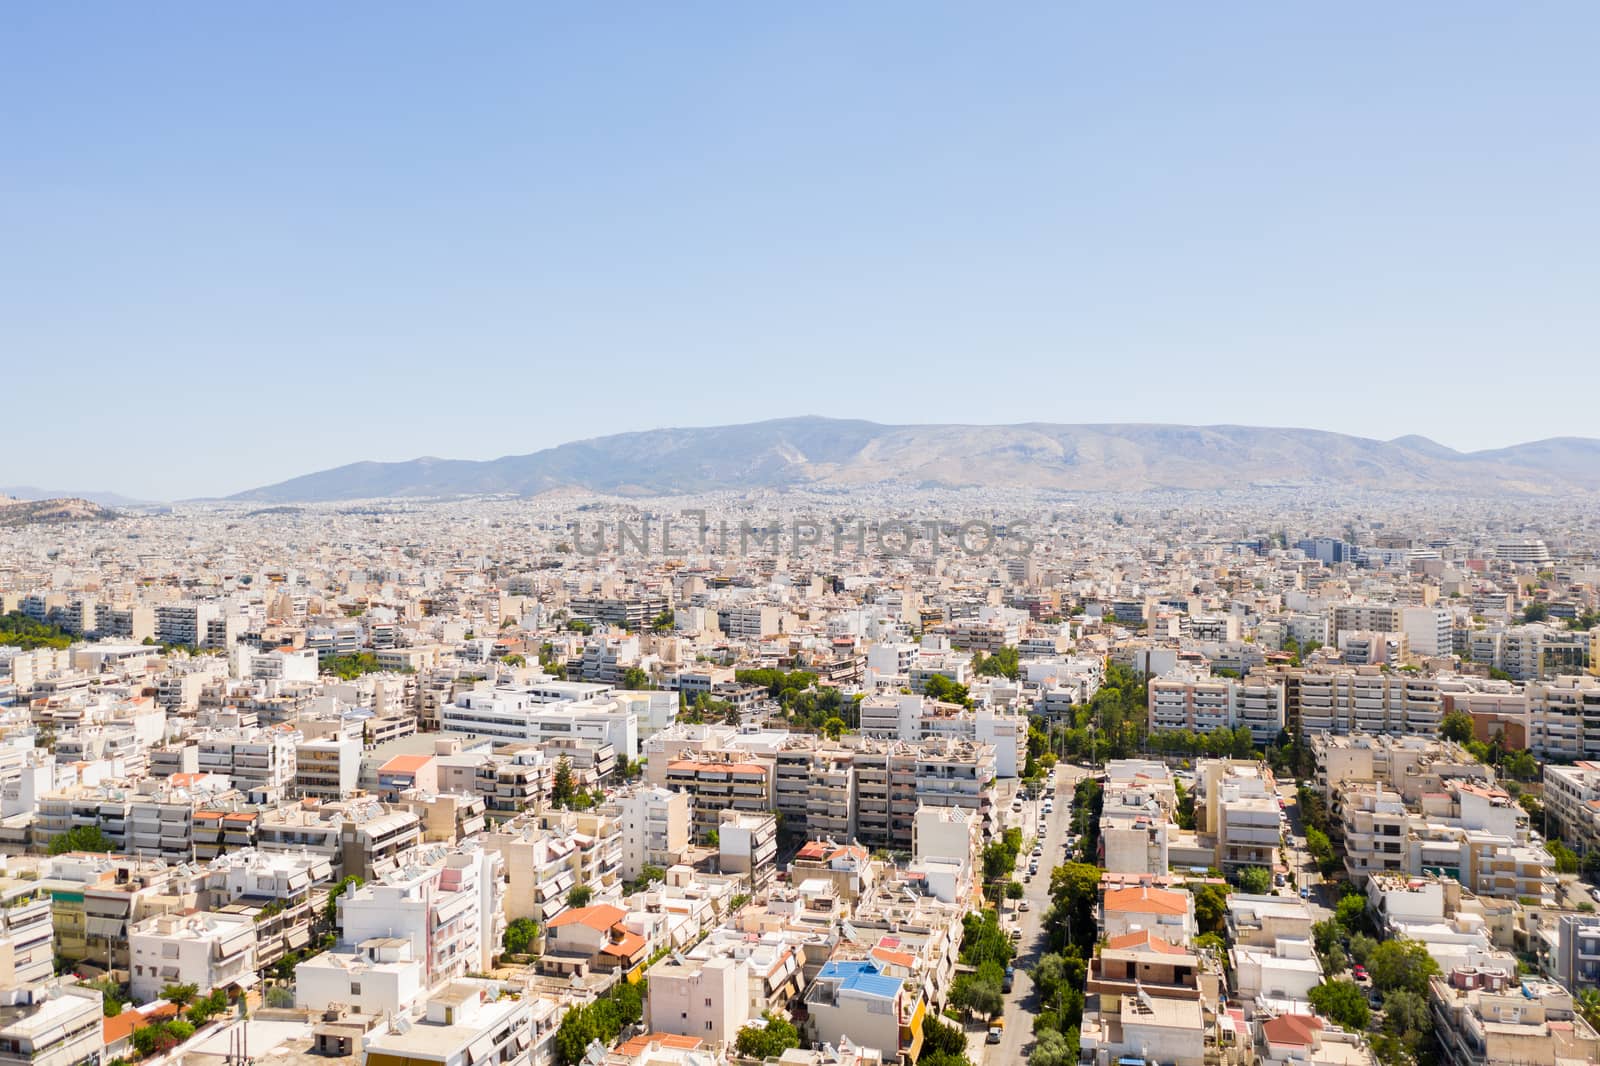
x=37, y=512
x=841, y=453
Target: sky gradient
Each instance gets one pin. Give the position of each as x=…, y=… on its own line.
x=241, y=243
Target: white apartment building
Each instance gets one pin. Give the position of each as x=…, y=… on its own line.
x=1368, y=700
x=252, y=758
x=1236, y=802
x=447, y=905
x=375, y=977
x=327, y=769
x=1188, y=700
x=549, y=854
x=508, y=715
x=653, y=824
x=279, y=664
x=466, y=1023
x=1135, y=817
x=50, y=1024
x=1428, y=630
x=209, y=951
x=704, y=998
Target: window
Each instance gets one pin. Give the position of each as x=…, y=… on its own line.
x=708, y=1001
x=355, y=988
x=708, y=1027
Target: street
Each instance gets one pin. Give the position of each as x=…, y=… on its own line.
x=1021, y=1002
x=1306, y=874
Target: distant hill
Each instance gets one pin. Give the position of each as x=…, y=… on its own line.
x=15, y=512
x=104, y=499
x=842, y=453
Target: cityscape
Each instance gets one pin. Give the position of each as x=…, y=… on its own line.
x=830, y=535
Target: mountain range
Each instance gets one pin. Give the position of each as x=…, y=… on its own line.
x=838, y=453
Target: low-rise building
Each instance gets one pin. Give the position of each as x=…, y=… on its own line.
x=49, y=1024
x=209, y=951
x=467, y=1023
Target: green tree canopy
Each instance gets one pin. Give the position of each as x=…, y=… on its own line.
x=1457, y=726
x=82, y=838
x=519, y=935
x=1401, y=964
x=1343, y=1002
x=767, y=1041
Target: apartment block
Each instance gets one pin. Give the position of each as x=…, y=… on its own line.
x=51, y=1024
x=209, y=951
x=1236, y=804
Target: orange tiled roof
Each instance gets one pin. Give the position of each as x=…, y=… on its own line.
x=601, y=916
x=405, y=764
x=1297, y=1029
x=1144, y=938
x=1144, y=900
x=629, y=945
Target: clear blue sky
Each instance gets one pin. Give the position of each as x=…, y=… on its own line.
x=244, y=242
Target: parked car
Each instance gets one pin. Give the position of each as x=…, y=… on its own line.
x=1005, y=984
x=1305, y=893
x=1024, y=905
x=1359, y=972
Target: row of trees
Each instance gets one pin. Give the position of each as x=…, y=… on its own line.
x=988, y=950
x=1061, y=972
x=20, y=631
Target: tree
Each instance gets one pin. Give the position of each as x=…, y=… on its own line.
x=331, y=912
x=562, y=787
x=1537, y=611
x=1565, y=858
x=1588, y=1004
x=1401, y=964
x=1210, y=908
x=1003, y=663
x=1457, y=726
x=941, y=688
x=208, y=1007
x=971, y=993
x=1321, y=849
x=663, y=622
x=1051, y=1049
x=1255, y=880
x=519, y=934
x=833, y=728
x=1520, y=766
x=1013, y=890
x=1405, y=1013
x=1351, y=912
x=769, y=1040
x=579, y=896
x=939, y=1038
x=82, y=838
x=635, y=679
x=180, y=994
x=1343, y=1002
x=111, y=998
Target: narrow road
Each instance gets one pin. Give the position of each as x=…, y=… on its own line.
x=1022, y=1002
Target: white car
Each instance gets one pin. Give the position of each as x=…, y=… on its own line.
x=1024, y=905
